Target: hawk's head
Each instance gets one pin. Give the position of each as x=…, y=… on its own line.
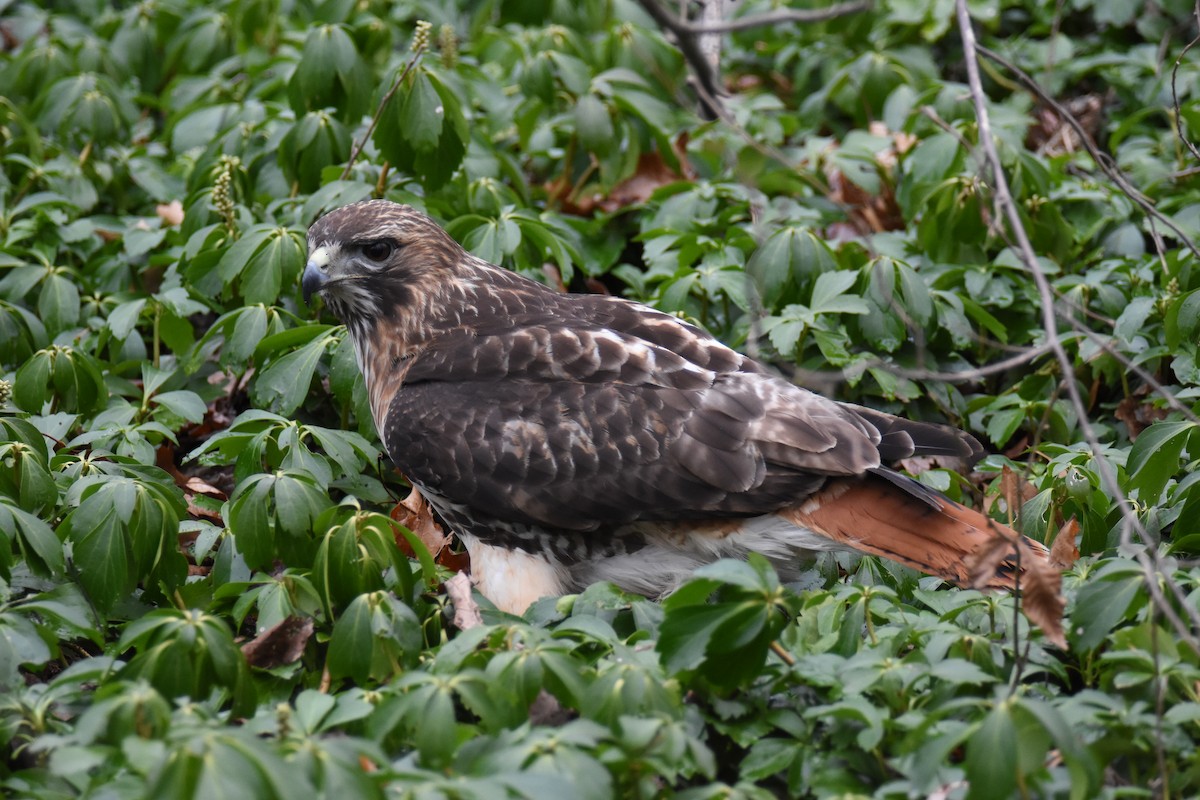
x=370, y=260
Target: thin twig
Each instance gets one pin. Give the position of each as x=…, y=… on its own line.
x=783, y=16
x=787, y=657
x=361, y=143
x=708, y=82
x=1179, y=122
x=1023, y=357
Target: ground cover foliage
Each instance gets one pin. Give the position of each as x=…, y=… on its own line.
x=204, y=589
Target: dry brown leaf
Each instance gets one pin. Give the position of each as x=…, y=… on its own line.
x=916, y=465
x=1137, y=414
x=651, y=173
x=1041, y=597
x=1015, y=491
x=1063, y=552
x=200, y=486
x=984, y=562
x=200, y=511
x=546, y=710
x=1051, y=135
x=415, y=514
x=1010, y=485
x=280, y=644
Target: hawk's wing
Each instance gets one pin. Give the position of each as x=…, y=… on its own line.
x=566, y=424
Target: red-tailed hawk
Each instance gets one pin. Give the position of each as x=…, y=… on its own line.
x=569, y=439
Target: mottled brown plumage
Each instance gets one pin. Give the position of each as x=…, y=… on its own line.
x=570, y=438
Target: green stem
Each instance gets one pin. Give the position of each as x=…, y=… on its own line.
x=157, y=340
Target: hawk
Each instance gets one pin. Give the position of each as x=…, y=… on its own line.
x=568, y=439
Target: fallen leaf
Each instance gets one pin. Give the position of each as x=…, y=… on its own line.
x=1137, y=414
x=415, y=514
x=191, y=485
x=867, y=213
x=1051, y=135
x=554, y=277
x=199, y=511
x=546, y=710
x=652, y=171
x=200, y=486
x=280, y=644
x=1041, y=597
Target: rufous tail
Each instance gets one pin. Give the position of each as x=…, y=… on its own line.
x=921, y=529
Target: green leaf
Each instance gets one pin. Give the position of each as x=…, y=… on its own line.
x=240, y=255
x=101, y=551
x=991, y=763
x=42, y=550
x=1154, y=458
x=351, y=648
x=184, y=404
x=422, y=113
x=829, y=294
x=32, y=388
x=593, y=125
x=298, y=500
x=124, y=317
x=249, y=328
x=19, y=644
x=284, y=384
x=1099, y=606
x=250, y=520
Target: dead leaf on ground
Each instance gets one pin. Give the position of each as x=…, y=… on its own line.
x=191, y=485
x=1052, y=135
x=1137, y=414
x=1017, y=446
x=916, y=465
x=652, y=172
x=415, y=514
x=554, y=277
x=868, y=213
x=280, y=644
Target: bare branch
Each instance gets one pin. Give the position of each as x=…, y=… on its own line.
x=418, y=50
x=784, y=15
x=1179, y=123
x=708, y=82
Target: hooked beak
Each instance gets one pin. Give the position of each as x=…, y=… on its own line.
x=313, y=281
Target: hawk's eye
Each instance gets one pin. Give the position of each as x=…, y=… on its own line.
x=378, y=250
